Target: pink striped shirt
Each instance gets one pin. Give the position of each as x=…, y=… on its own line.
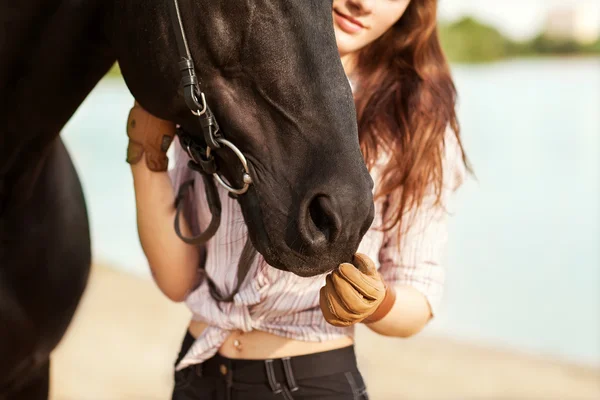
x=284, y=304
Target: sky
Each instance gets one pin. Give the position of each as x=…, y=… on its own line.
x=518, y=19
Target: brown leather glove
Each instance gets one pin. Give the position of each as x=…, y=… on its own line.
x=151, y=135
x=355, y=293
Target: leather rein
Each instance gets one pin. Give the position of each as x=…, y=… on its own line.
x=202, y=159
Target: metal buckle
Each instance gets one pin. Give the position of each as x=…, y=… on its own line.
x=199, y=113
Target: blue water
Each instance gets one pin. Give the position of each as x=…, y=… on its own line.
x=524, y=257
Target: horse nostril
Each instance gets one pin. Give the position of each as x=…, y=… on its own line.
x=324, y=217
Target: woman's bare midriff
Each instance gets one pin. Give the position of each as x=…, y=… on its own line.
x=260, y=345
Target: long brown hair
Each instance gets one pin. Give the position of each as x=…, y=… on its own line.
x=405, y=101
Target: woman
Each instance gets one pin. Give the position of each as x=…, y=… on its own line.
x=290, y=337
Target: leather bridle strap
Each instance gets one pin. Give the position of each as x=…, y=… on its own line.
x=214, y=204
x=202, y=161
x=189, y=81
x=244, y=265
x=191, y=89
x=184, y=50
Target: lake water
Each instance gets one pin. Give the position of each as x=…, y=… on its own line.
x=524, y=256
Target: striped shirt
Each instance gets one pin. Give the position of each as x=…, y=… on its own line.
x=287, y=305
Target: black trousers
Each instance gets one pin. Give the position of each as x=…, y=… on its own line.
x=331, y=375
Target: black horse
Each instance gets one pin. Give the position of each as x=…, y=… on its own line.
x=273, y=78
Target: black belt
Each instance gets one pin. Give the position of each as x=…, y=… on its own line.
x=275, y=371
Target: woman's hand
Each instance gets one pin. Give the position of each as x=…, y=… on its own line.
x=148, y=135
x=355, y=293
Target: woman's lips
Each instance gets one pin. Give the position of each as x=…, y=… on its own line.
x=347, y=24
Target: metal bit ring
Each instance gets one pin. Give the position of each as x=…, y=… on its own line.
x=246, y=176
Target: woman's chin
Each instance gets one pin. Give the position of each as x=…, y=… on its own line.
x=345, y=43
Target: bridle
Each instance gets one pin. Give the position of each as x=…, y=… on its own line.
x=207, y=121
x=201, y=156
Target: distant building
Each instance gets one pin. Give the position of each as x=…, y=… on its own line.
x=579, y=23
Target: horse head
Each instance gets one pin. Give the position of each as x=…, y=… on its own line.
x=274, y=81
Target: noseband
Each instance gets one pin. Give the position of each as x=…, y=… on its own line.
x=202, y=159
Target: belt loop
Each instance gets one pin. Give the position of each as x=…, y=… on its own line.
x=275, y=386
x=289, y=374
x=355, y=391
x=228, y=378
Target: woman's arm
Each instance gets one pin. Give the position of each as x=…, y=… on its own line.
x=415, y=267
x=409, y=315
x=402, y=296
x=174, y=264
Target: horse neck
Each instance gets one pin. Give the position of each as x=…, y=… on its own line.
x=53, y=53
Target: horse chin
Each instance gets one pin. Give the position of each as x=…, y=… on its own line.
x=307, y=269
x=290, y=261
x=310, y=272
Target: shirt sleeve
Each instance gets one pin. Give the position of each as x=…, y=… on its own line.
x=418, y=260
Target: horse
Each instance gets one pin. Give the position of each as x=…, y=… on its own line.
x=273, y=78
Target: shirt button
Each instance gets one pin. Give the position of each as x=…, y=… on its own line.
x=223, y=369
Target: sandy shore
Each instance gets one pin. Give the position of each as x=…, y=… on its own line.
x=125, y=336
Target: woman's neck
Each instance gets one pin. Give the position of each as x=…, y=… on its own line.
x=348, y=62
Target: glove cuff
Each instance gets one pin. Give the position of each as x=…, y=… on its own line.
x=385, y=306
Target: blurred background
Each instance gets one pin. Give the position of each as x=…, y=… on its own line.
x=521, y=317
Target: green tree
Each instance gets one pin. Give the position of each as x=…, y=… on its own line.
x=468, y=40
